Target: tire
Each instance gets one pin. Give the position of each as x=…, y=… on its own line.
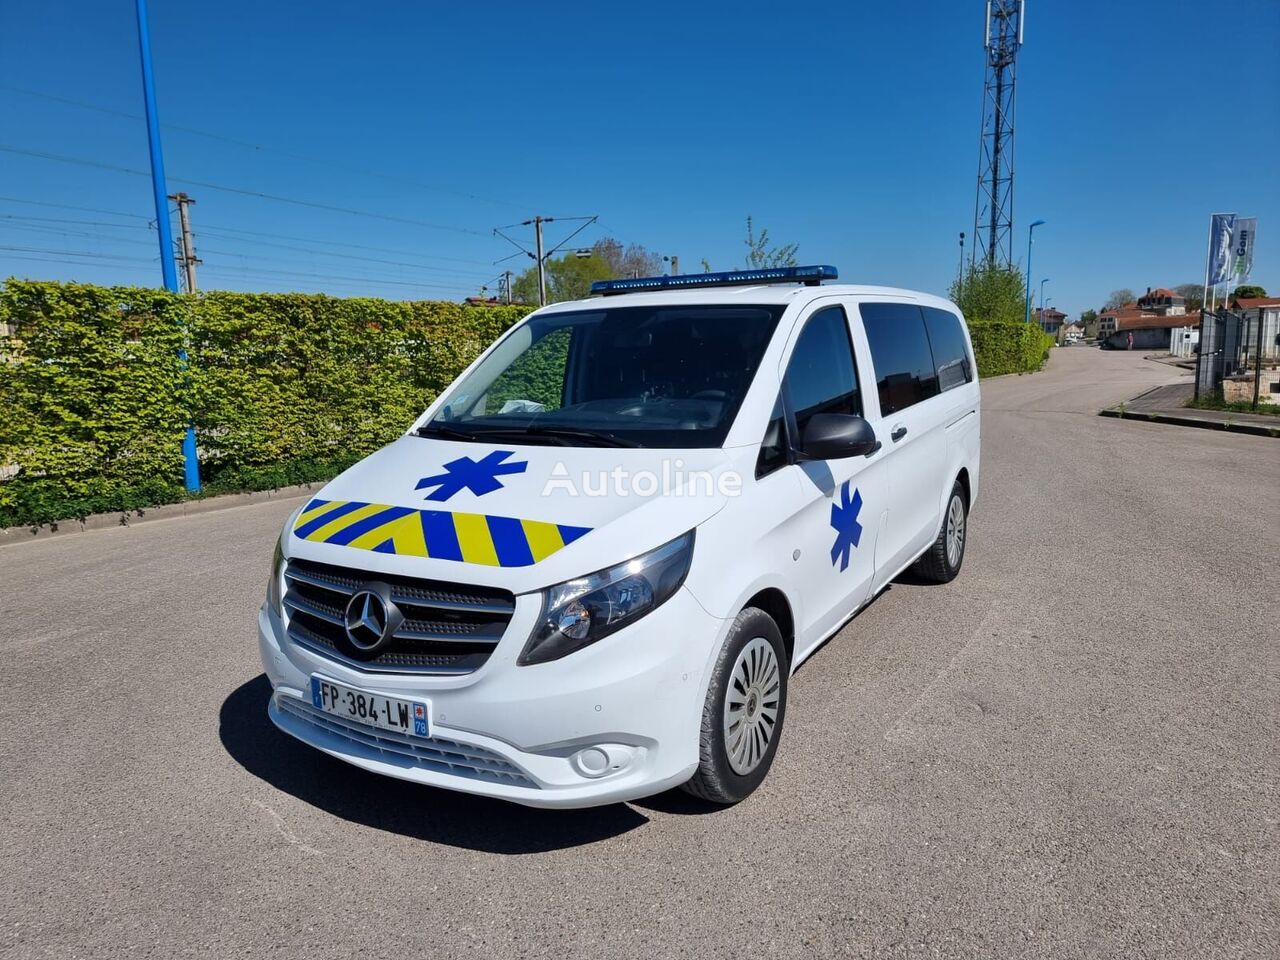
x=940, y=563
x=733, y=761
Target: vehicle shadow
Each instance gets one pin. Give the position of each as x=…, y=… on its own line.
x=409, y=809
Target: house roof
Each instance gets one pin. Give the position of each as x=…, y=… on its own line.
x=1252, y=303
x=1116, y=311
x=1160, y=292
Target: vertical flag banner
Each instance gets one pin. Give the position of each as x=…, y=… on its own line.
x=1246, y=228
x=1220, y=252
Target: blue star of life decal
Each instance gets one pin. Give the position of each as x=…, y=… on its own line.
x=844, y=520
x=478, y=476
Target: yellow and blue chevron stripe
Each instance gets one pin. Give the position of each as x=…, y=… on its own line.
x=439, y=534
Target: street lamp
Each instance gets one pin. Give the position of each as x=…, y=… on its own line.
x=1042, y=283
x=960, y=269
x=1030, y=233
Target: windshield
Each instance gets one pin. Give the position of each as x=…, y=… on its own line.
x=666, y=376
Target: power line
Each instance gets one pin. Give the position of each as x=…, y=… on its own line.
x=67, y=206
x=537, y=254
x=264, y=149
x=338, y=255
x=257, y=194
x=333, y=243
x=232, y=233
x=58, y=256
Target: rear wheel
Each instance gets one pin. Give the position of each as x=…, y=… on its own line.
x=744, y=710
x=941, y=563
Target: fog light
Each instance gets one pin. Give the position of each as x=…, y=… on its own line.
x=600, y=760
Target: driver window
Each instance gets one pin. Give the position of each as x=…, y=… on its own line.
x=821, y=377
x=534, y=382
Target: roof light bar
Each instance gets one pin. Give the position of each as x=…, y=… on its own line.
x=810, y=276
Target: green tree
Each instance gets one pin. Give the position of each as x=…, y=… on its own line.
x=1088, y=316
x=991, y=292
x=569, y=277
x=1119, y=298
x=630, y=261
x=1248, y=290
x=760, y=255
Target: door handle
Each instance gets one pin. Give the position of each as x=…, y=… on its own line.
x=898, y=433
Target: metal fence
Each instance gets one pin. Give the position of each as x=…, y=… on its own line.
x=1223, y=351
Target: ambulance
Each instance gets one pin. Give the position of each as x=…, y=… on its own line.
x=587, y=572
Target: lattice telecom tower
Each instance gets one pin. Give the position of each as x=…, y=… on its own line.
x=993, y=206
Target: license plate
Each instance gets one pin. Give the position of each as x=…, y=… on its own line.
x=386, y=713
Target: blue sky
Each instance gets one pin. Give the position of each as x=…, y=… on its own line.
x=850, y=129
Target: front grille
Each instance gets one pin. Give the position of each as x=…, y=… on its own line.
x=431, y=753
x=448, y=628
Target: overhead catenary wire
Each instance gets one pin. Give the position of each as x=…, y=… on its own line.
x=258, y=194
x=260, y=148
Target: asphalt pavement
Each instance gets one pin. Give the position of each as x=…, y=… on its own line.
x=1070, y=751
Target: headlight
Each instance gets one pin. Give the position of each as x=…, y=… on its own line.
x=275, y=583
x=579, y=612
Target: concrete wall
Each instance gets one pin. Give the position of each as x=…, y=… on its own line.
x=1240, y=389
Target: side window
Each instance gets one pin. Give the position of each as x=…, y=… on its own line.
x=773, y=451
x=820, y=376
x=900, y=352
x=950, y=356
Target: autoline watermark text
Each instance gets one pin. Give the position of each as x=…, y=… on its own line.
x=673, y=479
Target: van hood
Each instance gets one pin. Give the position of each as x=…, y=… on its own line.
x=520, y=517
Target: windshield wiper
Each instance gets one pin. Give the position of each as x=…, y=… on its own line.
x=560, y=436
x=435, y=429
x=597, y=437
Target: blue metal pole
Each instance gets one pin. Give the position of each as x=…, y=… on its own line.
x=169, y=271
x=1030, y=232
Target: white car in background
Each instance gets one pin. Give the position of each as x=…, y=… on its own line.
x=587, y=572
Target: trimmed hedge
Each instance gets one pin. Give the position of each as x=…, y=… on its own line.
x=1002, y=347
x=282, y=388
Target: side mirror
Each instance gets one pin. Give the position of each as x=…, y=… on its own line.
x=835, y=436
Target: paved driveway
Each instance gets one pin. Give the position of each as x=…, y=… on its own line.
x=1071, y=751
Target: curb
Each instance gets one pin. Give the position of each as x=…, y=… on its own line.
x=1253, y=429
x=168, y=511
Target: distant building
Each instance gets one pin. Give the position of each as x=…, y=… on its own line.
x=491, y=302
x=1264, y=311
x=1050, y=320
x=1162, y=302
x=1151, y=331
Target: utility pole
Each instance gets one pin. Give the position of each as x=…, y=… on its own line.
x=188, y=257
x=542, y=263
x=191, y=460
x=506, y=286
x=539, y=255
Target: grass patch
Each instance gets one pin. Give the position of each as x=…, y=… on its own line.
x=1217, y=403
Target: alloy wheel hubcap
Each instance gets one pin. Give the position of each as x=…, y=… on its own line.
x=751, y=705
x=955, y=532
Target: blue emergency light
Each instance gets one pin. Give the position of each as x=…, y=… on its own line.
x=809, y=276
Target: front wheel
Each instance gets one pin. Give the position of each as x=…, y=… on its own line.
x=744, y=710
x=941, y=562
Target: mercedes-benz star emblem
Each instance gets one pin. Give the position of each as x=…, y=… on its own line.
x=371, y=620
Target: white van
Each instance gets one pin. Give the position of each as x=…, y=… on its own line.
x=586, y=573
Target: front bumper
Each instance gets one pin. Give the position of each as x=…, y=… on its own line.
x=516, y=733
